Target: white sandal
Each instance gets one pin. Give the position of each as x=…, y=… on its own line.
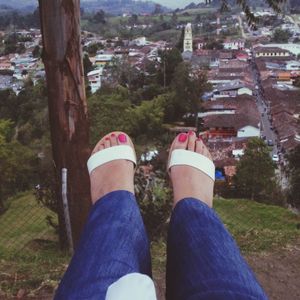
x=109, y=154
x=180, y=157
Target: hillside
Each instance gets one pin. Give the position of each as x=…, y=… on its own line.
x=115, y=7
x=32, y=262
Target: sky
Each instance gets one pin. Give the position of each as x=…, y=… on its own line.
x=176, y=3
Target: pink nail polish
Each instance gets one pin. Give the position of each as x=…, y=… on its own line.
x=122, y=138
x=182, y=137
x=107, y=138
x=191, y=132
x=112, y=135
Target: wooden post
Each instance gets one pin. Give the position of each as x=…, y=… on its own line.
x=62, y=57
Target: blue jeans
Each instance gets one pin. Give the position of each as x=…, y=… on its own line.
x=203, y=261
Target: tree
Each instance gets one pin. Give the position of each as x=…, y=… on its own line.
x=133, y=20
x=36, y=52
x=18, y=164
x=297, y=82
x=99, y=17
x=281, y=36
x=60, y=24
x=169, y=61
x=294, y=177
x=87, y=64
x=188, y=88
x=179, y=44
x=157, y=10
x=255, y=171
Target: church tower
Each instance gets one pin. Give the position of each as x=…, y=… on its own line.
x=188, y=39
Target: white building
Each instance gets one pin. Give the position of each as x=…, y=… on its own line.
x=94, y=78
x=188, y=38
x=248, y=131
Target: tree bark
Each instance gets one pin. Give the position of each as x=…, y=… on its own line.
x=62, y=57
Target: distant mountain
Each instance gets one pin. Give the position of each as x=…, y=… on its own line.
x=117, y=7
x=114, y=7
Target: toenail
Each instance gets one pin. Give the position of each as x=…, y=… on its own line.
x=107, y=138
x=112, y=135
x=182, y=137
x=122, y=138
x=191, y=132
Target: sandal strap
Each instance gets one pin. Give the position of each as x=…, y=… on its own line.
x=180, y=157
x=109, y=154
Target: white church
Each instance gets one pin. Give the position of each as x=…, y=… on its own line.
x=187, y=42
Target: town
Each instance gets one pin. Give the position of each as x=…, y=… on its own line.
x=228, y=75
x=254, y=75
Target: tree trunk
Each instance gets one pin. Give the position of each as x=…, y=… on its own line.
x=62, y=57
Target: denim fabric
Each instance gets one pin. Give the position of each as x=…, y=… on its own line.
x=113, y=244
x=203, y=261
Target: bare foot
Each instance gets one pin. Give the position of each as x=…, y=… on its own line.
x=115, y=175
x=188, y=181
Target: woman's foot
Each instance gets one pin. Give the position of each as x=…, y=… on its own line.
x=188, y=181
x=115, y=175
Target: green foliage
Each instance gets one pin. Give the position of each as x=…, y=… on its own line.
x=112, y=110
x=188, y=89
x=297, y=82
x=87, y=64
x=169, y=61
x=281, y=36
x=17, y=164
x=255, y=171
x=294, y=177
x=154, y=198
x=36, y=52
x=108, y=112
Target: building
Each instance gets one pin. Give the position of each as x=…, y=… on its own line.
x=103, y=59
x=94, y=78
x=188, y=39
x=237, y=44
x=271, y=52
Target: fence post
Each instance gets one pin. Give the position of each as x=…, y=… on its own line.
x=64, y=189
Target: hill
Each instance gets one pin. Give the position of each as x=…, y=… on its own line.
x=115, y=7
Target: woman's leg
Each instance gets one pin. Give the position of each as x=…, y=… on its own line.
x=203, y=261
x=114, y=242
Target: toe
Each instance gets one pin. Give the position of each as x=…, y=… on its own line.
x=107, y=142
x=123, y=139
x=191, y=141
x=180, y=141
x=113, y=139
x=199, y=146
x=202, y=149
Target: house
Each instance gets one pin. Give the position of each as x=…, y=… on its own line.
x=235, y=125
x=94, y=78
x=271, y=52
x=102, y=60
x=232, y=89
x=237, y=44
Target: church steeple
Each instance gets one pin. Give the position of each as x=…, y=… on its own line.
x=188, y=38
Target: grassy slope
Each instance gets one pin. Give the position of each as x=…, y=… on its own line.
x=36, y=264
x=29, y=253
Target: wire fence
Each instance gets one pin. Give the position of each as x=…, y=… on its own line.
x=30, y=254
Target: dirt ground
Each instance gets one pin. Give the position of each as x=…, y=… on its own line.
x=278, y=272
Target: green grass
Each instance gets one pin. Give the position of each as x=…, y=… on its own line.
x=256, y=226
x=29, y=254
x=30, y=258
